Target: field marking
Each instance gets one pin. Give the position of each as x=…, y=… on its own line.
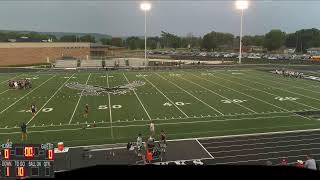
x=110, y=113
x=244, y=94
x=134, y=91
x=184, y=122
x=282, y=89
x=166, y=97
x=75, y=109
x=272, y=152
x=272, y=142
x=27, y=94
x=269, y=147
x=4, y=91
x=190, y=94
x=11, y=78
x=264, y=91
x=48, y=101
x=204, y=149
x=256, y=139
x=217, y=94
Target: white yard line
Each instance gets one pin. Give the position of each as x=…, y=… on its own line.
x=27, y=94
x=190, y=94
x=217, y=94
x=110, y=113
x=243, y=94
x=166, y=97
x=4, y=91
x=205, y=149
x=49, y=100
x=138, y=98
x=11, y=78
x=289, y=85
x=75, y=109
x=264, y=91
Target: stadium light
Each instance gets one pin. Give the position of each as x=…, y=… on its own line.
x=241, y=5
x=145, y=6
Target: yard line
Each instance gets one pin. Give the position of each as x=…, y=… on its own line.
x=4, y=91
x=27, y=94
x=49, y=100
x=218, y=94
x=205, y=149
x=290, y=91
x=270, y=147
x=166, y=97
x=138, y=98
x=264, y=91
x=78, y=100
x=190, y=94
x=11, y=78
x=110, y=113
x=243, y=93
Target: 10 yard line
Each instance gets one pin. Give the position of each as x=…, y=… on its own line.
x=27, y=94
x=138, y=98
x=49, y=99
x=110, y=113
x=79, y=100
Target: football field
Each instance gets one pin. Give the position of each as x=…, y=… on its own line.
x=183, y=103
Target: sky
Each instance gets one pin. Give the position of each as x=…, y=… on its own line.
x=124, y=18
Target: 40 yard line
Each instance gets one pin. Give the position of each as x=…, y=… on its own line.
x=79, y=100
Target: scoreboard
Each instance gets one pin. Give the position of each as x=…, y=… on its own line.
x=23, y=160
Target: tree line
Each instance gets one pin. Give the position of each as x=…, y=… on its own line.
x=273, y=40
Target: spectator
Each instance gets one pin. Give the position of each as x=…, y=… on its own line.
x=310, y=163
x=152, y=129
x=300, y=164
x=284, y=162
x=139, y=144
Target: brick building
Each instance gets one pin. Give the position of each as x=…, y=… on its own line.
x=19, y=53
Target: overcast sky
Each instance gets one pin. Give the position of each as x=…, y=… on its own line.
x=124, y=18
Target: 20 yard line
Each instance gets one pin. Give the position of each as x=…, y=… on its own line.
x=138, y=98
x=166, y=97
x=27, y=94
x=191, y=95
x=50, y=99
x=110, y=113
x=79, y=100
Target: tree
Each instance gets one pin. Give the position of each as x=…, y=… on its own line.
x=170, y=40
x=213, y=40
x=87, y=38
x=274, y=39
x=105, y=41
x=68, y=38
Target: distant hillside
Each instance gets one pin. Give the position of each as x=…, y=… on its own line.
x=60, y=34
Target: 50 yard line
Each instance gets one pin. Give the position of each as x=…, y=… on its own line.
x=50, y=99
x=79, y=100
x=138, y=98
x=110, y=113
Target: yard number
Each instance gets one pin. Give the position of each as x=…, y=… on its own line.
x=173, y=74
x=206, y=74
x=177, y=103
x=113, y=106
x=43, y=110
x=286, y=98
x=233, y=101
x=141, y=75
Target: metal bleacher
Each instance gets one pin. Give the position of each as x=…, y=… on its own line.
x=66, y=63
x=91, y=63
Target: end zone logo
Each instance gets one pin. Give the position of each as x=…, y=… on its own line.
x=91, y=90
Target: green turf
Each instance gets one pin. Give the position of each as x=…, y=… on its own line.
x=185, y=104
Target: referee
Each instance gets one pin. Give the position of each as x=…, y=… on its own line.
x=24, y=132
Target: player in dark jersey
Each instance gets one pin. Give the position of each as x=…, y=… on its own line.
x=33, y=109
x=86, y=111
x=163, y=141
x=24, y=131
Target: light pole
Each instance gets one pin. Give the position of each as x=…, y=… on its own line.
x=242, y=5
x=145, y=6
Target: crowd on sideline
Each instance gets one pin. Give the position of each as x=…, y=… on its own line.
x=288, y=73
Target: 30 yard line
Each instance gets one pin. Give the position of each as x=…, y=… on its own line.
x=78, y=101
x=110, y=113
x=27, y=94
x=138, y=98
x=218, y=94
x=166, y=97
x=50, y=99
x=190, y=94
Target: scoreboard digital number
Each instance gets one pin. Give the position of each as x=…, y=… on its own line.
x=34, y=161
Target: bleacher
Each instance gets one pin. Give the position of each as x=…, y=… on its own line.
x=91, y=63
x=66, y=64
